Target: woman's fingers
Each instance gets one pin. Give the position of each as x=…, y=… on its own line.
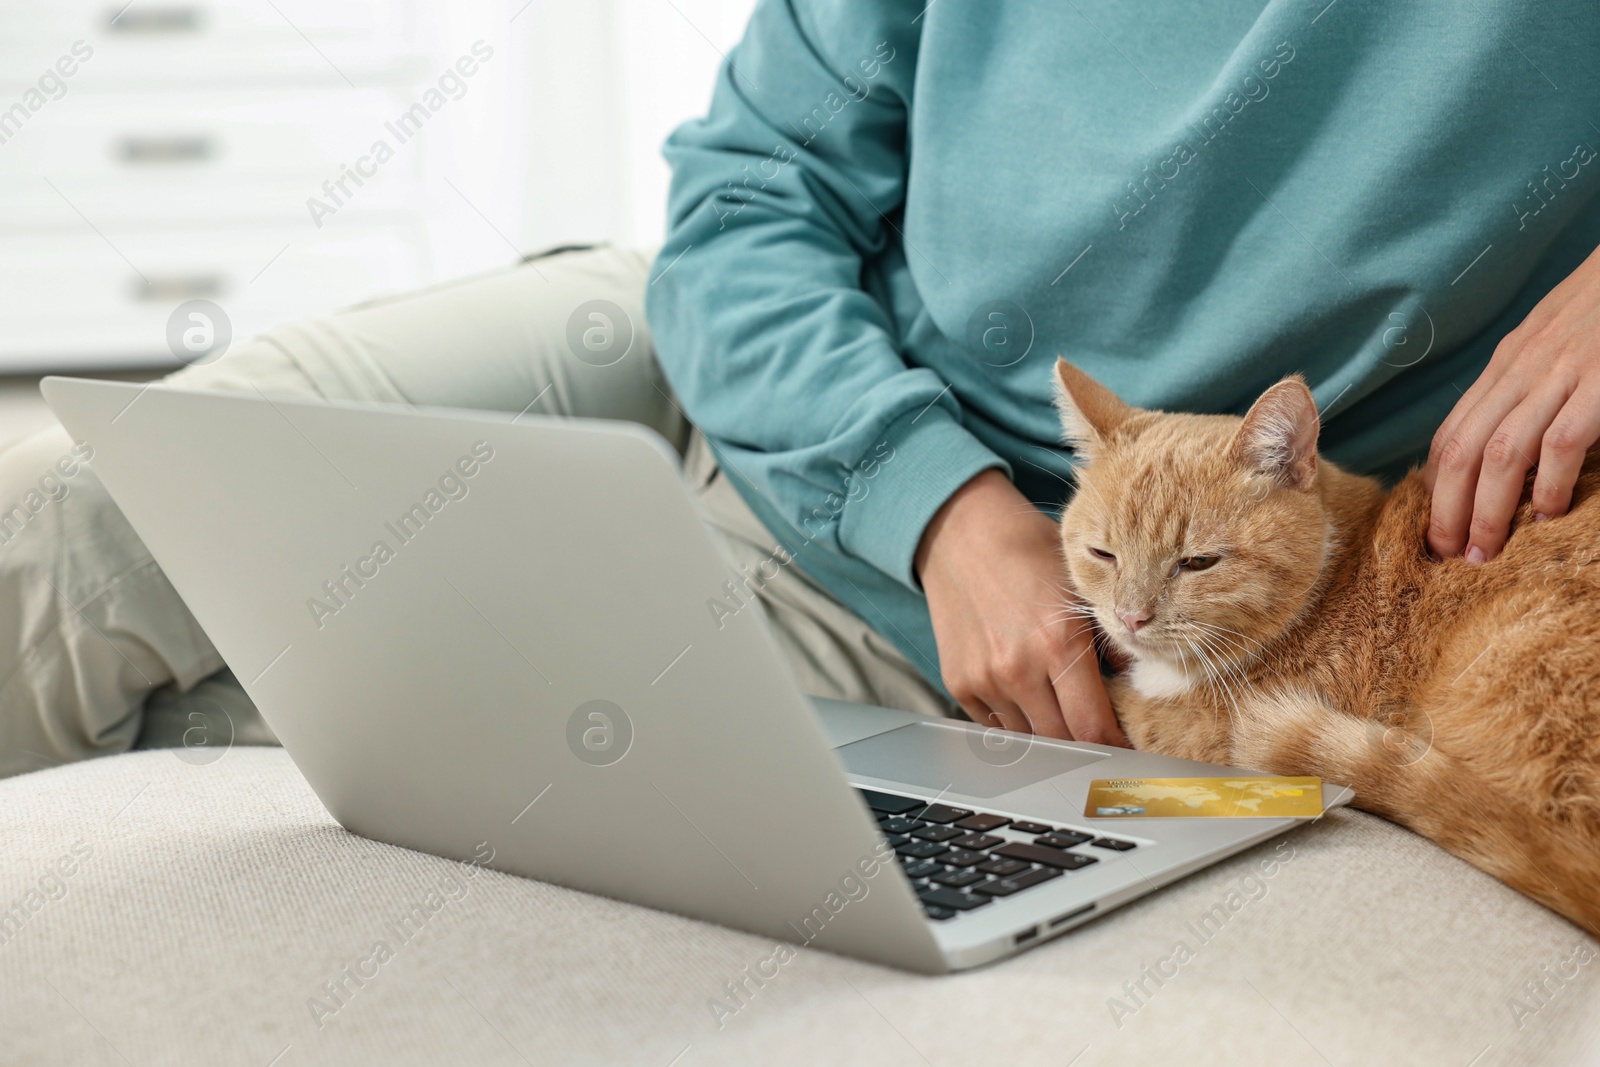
x=1081, y=693
x=1452, y=422
x=1007, y=716
x=1086, y=708
x=1561, y=452
x=1512, y=450
x=1457, y=459
x=1038, y=703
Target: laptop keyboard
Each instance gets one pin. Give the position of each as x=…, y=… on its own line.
x=958, y=862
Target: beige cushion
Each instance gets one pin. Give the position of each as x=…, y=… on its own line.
x=207, y=904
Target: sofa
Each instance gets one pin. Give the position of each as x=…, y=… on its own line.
x=196, y=904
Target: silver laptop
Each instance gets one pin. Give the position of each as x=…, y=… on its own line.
x=518, y=642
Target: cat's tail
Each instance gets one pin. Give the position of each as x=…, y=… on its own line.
x=1536, y=845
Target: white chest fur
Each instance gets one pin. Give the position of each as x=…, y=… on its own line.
x=1156, y=678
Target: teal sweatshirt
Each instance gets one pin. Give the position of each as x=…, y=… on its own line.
x=895, y=216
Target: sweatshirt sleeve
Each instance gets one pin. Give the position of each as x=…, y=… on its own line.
x=780, y=197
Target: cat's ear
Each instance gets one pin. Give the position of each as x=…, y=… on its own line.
x=1089, y=411
x=1279, y=434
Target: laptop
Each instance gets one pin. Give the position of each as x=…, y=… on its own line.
x=492, y=639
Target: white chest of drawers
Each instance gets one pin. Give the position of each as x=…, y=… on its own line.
x=163, y=151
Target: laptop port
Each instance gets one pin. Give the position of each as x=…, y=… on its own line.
x=1060, y=920
x=1025, y=936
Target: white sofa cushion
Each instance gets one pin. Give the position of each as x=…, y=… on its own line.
x=203, y=907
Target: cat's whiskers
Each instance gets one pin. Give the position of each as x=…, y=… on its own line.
x=1218, y=628
x=1259, y=656
x=1213, y=679
x=1070, y=606
x=1069, y=611
x=1219, y=676
x=1235, y=669
x=1205, y=674
x=1067, y=616
x=1219, y=647
x=1231, y=645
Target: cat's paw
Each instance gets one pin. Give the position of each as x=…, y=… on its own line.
x=1282, y=733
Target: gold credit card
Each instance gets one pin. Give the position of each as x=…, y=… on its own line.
x=1204, y=798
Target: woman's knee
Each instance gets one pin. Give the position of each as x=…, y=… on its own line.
x=88, y=623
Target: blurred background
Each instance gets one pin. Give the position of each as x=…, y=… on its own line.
x=282, y=158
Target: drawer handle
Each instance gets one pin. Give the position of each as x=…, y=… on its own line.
x=144, y=19
x=166, y=149
x=167, y=288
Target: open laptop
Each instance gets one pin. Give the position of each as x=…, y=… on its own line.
x=491, y=639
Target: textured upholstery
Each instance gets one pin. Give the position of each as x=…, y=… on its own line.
x=208, y=903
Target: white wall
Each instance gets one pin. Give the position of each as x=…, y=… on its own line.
x=607, y=81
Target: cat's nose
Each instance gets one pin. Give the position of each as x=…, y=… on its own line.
x=1133, y=619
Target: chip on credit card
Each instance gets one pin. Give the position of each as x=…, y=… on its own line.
x=1204, y=798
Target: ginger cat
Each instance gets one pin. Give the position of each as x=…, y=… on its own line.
x=1284, y=615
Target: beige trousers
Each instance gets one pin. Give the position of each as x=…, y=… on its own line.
x=97, y=652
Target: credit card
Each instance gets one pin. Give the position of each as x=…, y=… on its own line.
x=1204, y=798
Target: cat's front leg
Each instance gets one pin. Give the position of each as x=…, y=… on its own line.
x=1296, y=732
x=1289, y=733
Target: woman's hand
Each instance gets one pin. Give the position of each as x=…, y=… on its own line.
x=1009, y=651
x=1536, y=405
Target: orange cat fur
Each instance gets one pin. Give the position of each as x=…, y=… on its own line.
x=1297, y=625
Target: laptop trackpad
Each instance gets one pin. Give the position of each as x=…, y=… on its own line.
x=979, y=763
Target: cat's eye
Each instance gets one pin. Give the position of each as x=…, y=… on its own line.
x=1100, y=553
x=1198, y=563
